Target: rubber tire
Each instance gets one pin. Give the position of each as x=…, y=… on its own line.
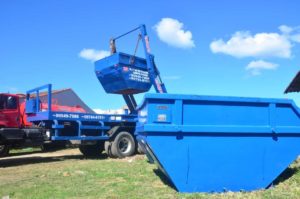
x=115, y=146
x=4, y=150
x=92, y=150
x=107, y=148
x=140, y=149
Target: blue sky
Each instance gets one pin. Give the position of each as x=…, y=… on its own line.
x=234, y=48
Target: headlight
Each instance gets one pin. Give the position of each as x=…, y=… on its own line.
x=48, y=134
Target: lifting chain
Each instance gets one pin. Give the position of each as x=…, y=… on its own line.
x=135, y=50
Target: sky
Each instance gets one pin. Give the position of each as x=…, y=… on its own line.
x=223, y=48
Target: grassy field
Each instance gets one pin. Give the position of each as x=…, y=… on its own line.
x=66, y=174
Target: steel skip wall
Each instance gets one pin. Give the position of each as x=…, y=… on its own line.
x=207, y=144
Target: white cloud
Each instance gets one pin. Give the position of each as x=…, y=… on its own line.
x=292, y=33
x=296, y=38
x=244, y=44
x=92, y=54
x=261, y=45
x=285, y=29
x=172, y=77
x=171, y=32
x=255, y=67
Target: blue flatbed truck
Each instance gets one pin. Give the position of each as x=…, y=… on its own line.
x=118, y=73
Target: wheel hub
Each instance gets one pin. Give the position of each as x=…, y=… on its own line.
x=124, y=145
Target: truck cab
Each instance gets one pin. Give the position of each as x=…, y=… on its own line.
x=15, y=131
x=9, y=111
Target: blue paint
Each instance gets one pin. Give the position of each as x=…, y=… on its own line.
x=121, y=73
x=72, y=125
x=215, y=144
x=126, y=74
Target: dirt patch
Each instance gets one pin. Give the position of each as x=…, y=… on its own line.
x=39, y=157
x=45, y=154
x=60, y=155
x=128, y=159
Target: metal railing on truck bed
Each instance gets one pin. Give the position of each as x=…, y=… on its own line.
x=70, y=125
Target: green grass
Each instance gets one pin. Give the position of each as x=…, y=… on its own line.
x=24, y=150
x=72, y=176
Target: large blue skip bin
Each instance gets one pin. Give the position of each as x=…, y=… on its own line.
x=121, y=73
x=215, y=144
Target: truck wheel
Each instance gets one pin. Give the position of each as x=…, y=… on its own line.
x=107, y=148
x=140, y=149
x=92, y=150
x=123, y=145
x=4, y=150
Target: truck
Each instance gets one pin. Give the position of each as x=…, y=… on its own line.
x=16, y=131
x=121, y=74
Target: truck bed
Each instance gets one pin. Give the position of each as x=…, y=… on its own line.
x=71, y=116
x=80, y=126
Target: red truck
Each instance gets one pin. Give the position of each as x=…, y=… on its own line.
x=15, y=130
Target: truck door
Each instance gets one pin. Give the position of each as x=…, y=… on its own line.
x=9, y=111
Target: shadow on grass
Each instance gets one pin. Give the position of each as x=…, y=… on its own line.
x=285, y=175
x=164, y=178
x=19, y=161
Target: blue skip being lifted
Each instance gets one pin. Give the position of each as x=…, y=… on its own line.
x=119, y=73
x=201, y=143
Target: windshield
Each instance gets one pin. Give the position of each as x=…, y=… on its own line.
x=8, y=102
x=1, y=102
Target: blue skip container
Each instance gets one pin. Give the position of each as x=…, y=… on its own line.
x=216, y=144
x=121, y=73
